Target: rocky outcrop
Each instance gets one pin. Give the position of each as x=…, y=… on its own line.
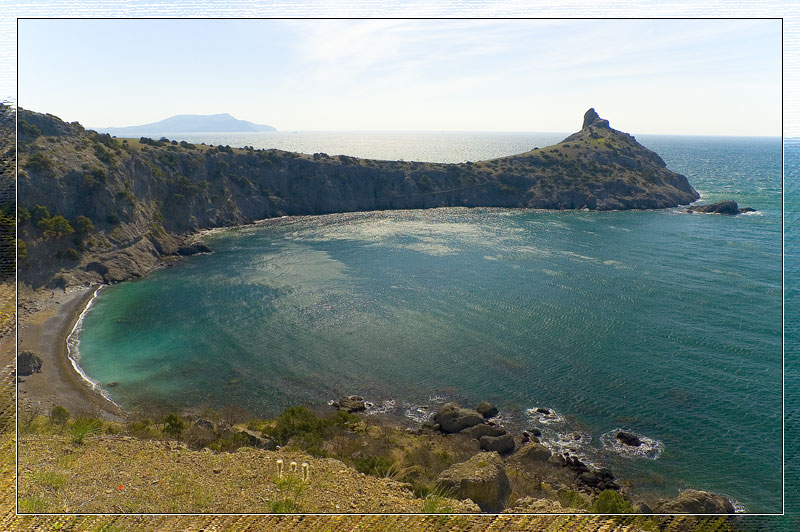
x=487, y=410
x=453, y=418
x=28, y=363
x=351, y=404
x=484, y=429
x=723, y=207
x=144, y=198
x=482, y=479
x=696, y=502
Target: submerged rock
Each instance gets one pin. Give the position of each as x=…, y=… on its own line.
x=482, y=479
x=454, y=418
x=629, y=439
x=28, y=363
x=697, y=502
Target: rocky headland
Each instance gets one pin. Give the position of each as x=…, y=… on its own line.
x=94, y=208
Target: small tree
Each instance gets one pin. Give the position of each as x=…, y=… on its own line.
x=39, y=212
x=60, y=225
x=83, y=225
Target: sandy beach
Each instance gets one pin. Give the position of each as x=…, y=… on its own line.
x=44, y=324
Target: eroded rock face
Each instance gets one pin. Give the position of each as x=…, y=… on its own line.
x=697, y=502
x=454, y=418
x=28, y=363
x=482, y=479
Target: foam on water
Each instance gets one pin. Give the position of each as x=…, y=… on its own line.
x=650, y=449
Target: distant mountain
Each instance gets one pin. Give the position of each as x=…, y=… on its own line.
x=220, y=123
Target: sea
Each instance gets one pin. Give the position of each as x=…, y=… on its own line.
x=662, y=323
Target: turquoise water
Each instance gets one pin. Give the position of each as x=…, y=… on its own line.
x=659, y=322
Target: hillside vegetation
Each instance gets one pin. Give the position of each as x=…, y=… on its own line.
x=98, y=208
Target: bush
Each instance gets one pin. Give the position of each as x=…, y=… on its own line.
x=303, y=428
x=28, y=130
x=374, y=465
x=84, y=426
x=59, y=415
x=173, y=425
x=39, y=162
x=83, y=225
x=23, y=216
x=611, y=502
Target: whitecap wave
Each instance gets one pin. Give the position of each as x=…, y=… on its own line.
x=650, y=448
x=544, y=416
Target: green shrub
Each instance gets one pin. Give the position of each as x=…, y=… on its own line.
x=83, y=225
x=374, y=465
x=28, y=130
x=611, y=502
x=22, y=249
x=173, y=425
x=59, y=415
x=84, y=426
x=23, y=216
x=39, y=162
x=303, y=428
x=32, y=505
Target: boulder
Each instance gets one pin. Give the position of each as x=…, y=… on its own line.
x=482, y=479
x=501, y=444
x=351, y=403
x=533, y=453
x=484, y=429
x=487, y=410
x=722, y=207
x=453, y=418
x=257, y=440
x=629, y=439
x=696, y=502
x=28, y=363
x=204, y=423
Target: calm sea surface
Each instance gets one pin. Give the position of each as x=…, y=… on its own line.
x=659, y=322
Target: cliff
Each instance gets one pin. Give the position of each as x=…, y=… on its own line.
x=94, y=207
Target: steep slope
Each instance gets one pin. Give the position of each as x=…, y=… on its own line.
x=93, y=207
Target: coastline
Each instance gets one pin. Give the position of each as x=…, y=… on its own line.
x=45, y=331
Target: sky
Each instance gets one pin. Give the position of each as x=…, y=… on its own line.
x=683, y=77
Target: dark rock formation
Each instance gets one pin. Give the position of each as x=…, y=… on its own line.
x=722, y=207
x=204, y=423
x=351, y=404
x=696, y=502
x=193, y=249
x=256, y=439
x=629, y=439
x=501, y=444
x=28, y=363
x=146, y=199
x=453, y=418
x=487, y=409
x=482, y=478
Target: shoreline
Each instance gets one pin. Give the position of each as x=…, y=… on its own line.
x=46, y=331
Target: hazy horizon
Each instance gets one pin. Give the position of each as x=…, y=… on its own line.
x=670, y=77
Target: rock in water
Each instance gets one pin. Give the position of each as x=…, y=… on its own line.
x=487, y=409
x=351, y=404
x=722, y=207
x=697, y=502
x=626, y=438
x=482, y=478
x=28, y=363
x=454, y=418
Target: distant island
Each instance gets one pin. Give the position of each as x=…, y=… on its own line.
x=93, y=208
x=219, y=123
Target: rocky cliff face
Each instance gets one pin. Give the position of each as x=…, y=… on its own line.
x=144, y=197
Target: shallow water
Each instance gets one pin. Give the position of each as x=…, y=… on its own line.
x=657, y=322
